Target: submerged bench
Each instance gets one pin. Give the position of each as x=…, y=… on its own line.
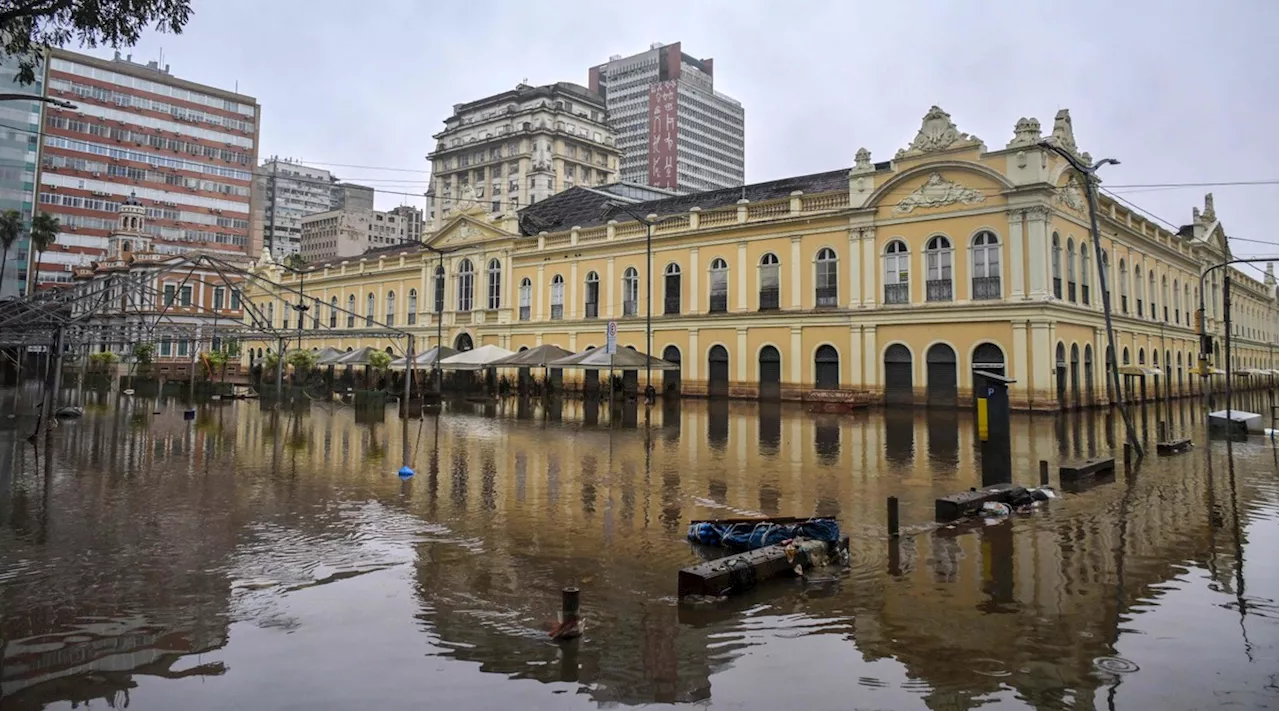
x=1173, y=446
x=742, y=571
x=1081, y=469
x=967, y=503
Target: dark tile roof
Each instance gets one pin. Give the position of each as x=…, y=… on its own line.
x=583, y=207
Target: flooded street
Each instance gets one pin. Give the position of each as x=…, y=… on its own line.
x=257, y=559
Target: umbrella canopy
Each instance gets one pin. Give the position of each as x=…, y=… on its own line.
x=475, y=359
x=326, y=356
x=624, y=359
x=536, y=357
x=425, y=359
x=356, y=357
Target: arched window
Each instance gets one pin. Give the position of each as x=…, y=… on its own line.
x=937, y=262
x=391, y=308
x=896, y=273
x=826, y=368
x=630, y=292
x=592, y=300
x=1138, y=290
x=333, y=312
x=1125, y=356
x=1071, y=269
x=412, y=309
x=1164, y=297
x=439, y=287
x=557, y=297
x=986, y=266
x=351, y=311
x=1055, y=264
x=495, y=284
x=719, y=286
x=526, y=299
x=1151, y=292
x=769, y=294
x=369, y=302
x=1142, y=356
x=826, y=284
x=1084, y=273
x=1123, y=275
x=671, y=295
x=466, y=285
x=271, y=315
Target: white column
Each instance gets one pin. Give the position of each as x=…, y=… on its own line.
x=855, y=352
x=741, y=306
x=871, y=357
x=1038, y=252
x=855, y=268
x=797, y=355
x=608, y=288
x=574, y=288
x=692, y=358
x=795, y=274
x=1017, y=365
x=869, y=265
x=539, y=301
x=695, y=298
x=1014, y=261
x=1040, y=367
x=508, y=276
x=741, y=375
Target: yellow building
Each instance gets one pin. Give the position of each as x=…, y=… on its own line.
x=888, y=281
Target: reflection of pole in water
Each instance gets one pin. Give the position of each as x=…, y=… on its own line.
x=1239, y=549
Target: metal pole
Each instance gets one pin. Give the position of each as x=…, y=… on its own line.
x=280, y=369
x=1226, y=337
x=648, y=312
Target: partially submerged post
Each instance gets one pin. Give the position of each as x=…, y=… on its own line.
x=993, y=427
x=893, y=516
x=569, y=625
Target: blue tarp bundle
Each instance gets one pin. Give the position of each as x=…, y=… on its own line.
x=750, y=536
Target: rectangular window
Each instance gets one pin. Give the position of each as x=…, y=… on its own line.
x=182, y=347
x=235, y=298
x=169, y=291
x=166, y=347
x=186, y=296
x=218, y=297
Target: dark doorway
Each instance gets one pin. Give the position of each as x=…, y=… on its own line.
x=941, y=380
x=770, y=373
x=671, y=378
x=1075, y=375
x=826, y=368
x=463, y=343
x=988, y=357
x=1061, y=372
x=718, y=372
x=1088, y=375
x=897, y=375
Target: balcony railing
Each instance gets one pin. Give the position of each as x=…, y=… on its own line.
x=986, y=287
x=629, y=308
x=524, y=313
x=719, y=303
x=1057, y=287
x=1071, y=291
x=671, y=305
x=768, y=299
x=825, y=296
x=937, y=290
x=897, y=293
x=593, y=310
x=557, y=312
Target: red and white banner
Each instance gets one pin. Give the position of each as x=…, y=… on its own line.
x=663, y=134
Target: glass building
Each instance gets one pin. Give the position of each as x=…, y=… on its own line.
x=19, y=130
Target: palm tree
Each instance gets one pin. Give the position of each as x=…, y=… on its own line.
x=10, y=231
x=44, y=231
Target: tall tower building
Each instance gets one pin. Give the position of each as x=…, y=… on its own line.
x=186, y=150
x=19, y=146
x=285, y=192
x=674, y=129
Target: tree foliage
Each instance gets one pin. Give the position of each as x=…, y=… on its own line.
x=103, y=358
x=44, y=231
x=144, y=353
x=28, y=26
x=379, y=360
x=301, y=360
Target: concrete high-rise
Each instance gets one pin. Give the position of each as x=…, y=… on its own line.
x=509, y=150
x=344, y=233
x=674, y=129
x=186, y=150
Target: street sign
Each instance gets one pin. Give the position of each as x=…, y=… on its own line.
x=611, y=338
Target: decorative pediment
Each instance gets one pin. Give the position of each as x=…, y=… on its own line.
x=1071, y=195
x=463, y=229
x=1064, y=136
x=937, y=191
x=937, y=133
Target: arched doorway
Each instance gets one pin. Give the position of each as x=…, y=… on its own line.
x=718, y=372
x=1075, y=375
x=671, y=378
x=1088, y=374
x=826, y=368
x=989, y=358
x=897, y=375
x=463, y=343
x=1107, y=365
x=770, y=373
x=1168, y=374
x=940, y=376
x=1181, y=391
x=1060, y=359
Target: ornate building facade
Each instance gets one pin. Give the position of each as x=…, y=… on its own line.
x=890, y=281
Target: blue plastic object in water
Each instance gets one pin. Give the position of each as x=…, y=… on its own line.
x=406, y=473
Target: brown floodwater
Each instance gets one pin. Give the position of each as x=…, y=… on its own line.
x=256, y=559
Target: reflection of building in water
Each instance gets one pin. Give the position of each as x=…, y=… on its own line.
x=887, y=280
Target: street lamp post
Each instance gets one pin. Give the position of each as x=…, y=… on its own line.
x=36, y=97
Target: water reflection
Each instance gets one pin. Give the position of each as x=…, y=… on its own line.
x=140, y=549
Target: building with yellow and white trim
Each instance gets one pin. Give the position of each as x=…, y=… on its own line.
x=888, y=281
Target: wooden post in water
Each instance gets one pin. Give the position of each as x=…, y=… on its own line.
x=569, y=626
x=1128, y=457
x=893, y=516
x=1044, y=472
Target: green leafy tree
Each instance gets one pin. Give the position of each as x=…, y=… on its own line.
x=103, y=358
x=28, y=26
x=379, y=360
x=44, y=232
x=301, y=360
x=144, y=353
x=295, y=261
x=10, y=232
x=213, y=361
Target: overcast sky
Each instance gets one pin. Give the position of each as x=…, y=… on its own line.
x=1180, y=92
